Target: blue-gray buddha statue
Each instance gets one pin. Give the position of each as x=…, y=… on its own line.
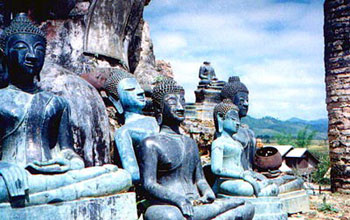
x=171, y=170
x=129, y=99
x=38, y=164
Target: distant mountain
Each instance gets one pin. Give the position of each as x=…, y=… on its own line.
x=268, y=127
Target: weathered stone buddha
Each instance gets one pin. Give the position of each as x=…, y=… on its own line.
x=238, y=93
x=206, y=73
x=37, y=162
x=129, y=99
x=171, y=171
x=208, y=77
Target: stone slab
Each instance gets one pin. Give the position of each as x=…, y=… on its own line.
x=117, y=207
x=266, y=208
x=295, y=202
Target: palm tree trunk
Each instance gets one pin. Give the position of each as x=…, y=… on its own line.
x=337, y=64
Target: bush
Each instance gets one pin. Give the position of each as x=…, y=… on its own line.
x=318, y=176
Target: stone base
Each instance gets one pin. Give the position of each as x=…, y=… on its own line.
x=200, y=111
x=270, y=208
x=294, y=202
x=211, y=95
x=116, y=207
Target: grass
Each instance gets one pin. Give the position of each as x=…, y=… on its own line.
x=327, y=207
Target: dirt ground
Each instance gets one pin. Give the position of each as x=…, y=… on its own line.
x=327, y=206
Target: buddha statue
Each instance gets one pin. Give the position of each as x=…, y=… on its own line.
x=238, y=93
x=206, y=73
x=208, y=77
x=171, y=170
x=38, y=164
x=227, y=161
x=129, y=99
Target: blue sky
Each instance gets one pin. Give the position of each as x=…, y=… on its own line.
x=275, y=46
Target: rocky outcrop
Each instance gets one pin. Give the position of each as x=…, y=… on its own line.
x=145, y=70
x=164, y=68
x=337, y=63
x=96, y=34
x=89, y=118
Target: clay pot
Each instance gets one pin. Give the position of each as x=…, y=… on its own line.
x=267, y=158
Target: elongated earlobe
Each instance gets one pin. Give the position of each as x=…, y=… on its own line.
x=220, y=122
x=117, y=105
x=159, y=118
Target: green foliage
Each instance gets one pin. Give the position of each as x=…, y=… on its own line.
x=318, y=175
x=326, y=207
x=284, y=139
x=303, y=138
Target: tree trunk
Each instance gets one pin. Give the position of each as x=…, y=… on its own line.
x=337, y=64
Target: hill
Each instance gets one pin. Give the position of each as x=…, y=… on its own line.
x=268, y=127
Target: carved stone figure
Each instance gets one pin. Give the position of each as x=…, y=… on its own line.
x=206, y=73
x=129, y=99
x=238, y=93
x=227, y=157
x=171, y=171
x=38, y=164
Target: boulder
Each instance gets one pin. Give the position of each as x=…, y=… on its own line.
x=89, y=117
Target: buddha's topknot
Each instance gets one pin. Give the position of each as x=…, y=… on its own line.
x=111, y=84
x=162, y=88
x=222, y=108
x=20, y=25
x=231, y=88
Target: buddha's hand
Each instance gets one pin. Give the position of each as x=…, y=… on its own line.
x=185, y=206
x=249, y=177
x=208, y=197
x=15, y=178
x=56, y=165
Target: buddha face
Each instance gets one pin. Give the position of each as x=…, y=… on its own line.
x=25, y=55
x=131, y=95
x=174, y=108
x=231, y=122
x=241, y=101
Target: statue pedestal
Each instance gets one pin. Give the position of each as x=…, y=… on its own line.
x=116, y=207
x=296, y=201
x=270, y=208
x=206, y=100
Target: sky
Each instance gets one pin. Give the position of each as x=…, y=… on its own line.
x=274, y=46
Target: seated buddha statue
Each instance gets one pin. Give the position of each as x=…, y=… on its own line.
x=207, y=76
x=171, y=170
x=238, y=93
x=129, y=99
x=38, y=164
x=227, y=158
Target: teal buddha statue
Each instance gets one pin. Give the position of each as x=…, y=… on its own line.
x=129, y=99
x=228, y=158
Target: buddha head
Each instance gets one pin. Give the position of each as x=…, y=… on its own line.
x=237, y=92
x=169, y=102
x=125, y=92
x=226, y=117
x=23, y=46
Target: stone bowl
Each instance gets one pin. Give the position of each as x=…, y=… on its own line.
x=268, y=158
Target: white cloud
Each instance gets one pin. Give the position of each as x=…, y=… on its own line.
x=170, y=43
x=276, y=48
